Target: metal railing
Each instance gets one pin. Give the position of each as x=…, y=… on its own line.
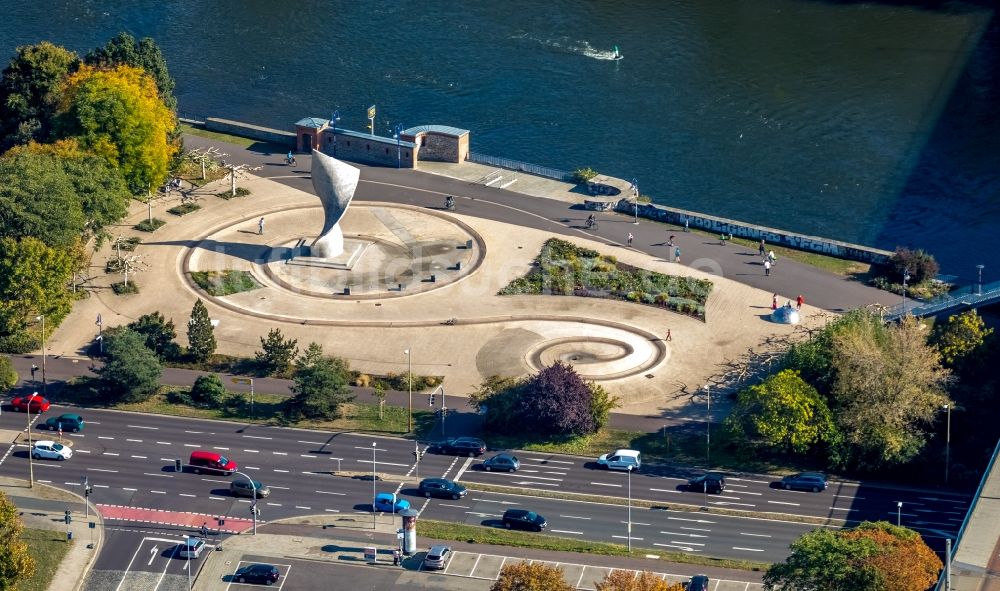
x=510, y=164
x=970, y=296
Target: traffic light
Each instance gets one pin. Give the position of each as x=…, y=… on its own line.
x=68, y=517
x=431, y=400
x=177, y=465
x=88, y=491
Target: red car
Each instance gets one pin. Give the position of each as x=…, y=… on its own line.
x=38, y=404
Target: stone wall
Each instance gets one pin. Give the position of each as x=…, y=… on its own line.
x=369, y=149
x=255, y=132
x=717, y=225
x=438, y=148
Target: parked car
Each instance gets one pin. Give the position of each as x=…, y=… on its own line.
x=37, y=403
x=622, y=459
x=257, y=573
x=50, y=450
x=390, y=503
x=523, y=519
x=462, y=446
x=72, y=423
x=437, y=557
x=813, y=481
x=698, y=583
x=243, y=488
x=443, y=488
x=191, y=548
x=209, y=461
x=502, y=462
x=710, y=482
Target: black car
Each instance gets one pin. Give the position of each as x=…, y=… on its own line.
x=698, y=583
x=257, y=573
x=442, y=487
x=463, y=446
x=502, y=462
x=711, y=482
x=521, y=519
x=813, y=481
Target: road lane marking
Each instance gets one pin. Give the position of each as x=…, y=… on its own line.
x=131, y=489
x=158, y=475
x=140, y=457
x=222, y=448
x=574, y=517
x=784, y=503
x=280, y=453
x=747, y=549
x=673, y=533
x=678, y=546
x=385, y=463
x=187, y=495
x=103, y=437
x=190, y=445
x=142, y=427
x=301, y=507
x=755, y=535
x=134, y=440
x=731, y=503
x=550, y=461
x=694, y=520
x=332, y=510
x=274, y=504
x=665, y=490
x=217, y=498
x=158, y=492
x=461, y=471
x=251, y=467
x=82, y=451
x=195, y=432
x=256, y=437
x=100, y=485
x=527, y=476
x=536, y=483
x=108, y=453
x=565, y=531
x=251, y=451
x=748, y=480
x=164, y=443
x=284, y=471
x=280, y=487
x=212, y=480
x=102, y=470
x=627, y=537
x=307, y=456
x=456, y=506
x=606, y=484
x=696, y=528
x=310, y=442
x=327, y=492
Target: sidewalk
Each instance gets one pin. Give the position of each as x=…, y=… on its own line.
x=43, y=507
x=344, y=542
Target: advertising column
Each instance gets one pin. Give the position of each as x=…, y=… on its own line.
x=409, y=531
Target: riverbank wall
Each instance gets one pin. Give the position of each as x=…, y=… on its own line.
x=626, y=204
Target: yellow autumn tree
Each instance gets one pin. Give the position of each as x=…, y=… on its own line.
x=627, y=580
x=117, y=113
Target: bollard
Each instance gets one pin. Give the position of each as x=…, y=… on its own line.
x=433, y=278
x=400, y=287
x=458, y=266
x=468, y=244
x=347, y=291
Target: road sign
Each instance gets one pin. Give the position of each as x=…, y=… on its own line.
x=242, y=381
x=371, y=553
x=371, y=112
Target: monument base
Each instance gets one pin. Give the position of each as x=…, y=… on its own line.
x=354, y=249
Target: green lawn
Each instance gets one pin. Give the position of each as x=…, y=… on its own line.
x=476, y=534
x=225, y=282
x=48, y=547
x=214, y=135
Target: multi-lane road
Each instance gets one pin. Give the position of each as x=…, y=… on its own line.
x=129, y=460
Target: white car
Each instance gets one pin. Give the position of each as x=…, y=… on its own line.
x=191, y=548
x=50, y=450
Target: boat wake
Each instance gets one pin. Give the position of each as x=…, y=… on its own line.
x=567, y=45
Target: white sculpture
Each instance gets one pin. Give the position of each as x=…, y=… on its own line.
x=335, y=183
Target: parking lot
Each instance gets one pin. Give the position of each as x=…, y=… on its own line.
x=581, y=576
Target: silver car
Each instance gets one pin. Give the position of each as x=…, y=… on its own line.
x=242, y=488
x=437, y=557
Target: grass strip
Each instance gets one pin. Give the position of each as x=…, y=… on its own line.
x=655, y=505
x=241, y=141
x=477, y=534
x=48, y=547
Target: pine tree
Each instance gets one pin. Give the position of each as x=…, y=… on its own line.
x=201, y=335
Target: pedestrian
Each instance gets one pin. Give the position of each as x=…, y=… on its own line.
x=761, y=248
x=686, y=229
x=630, y=238
x=799, y=301
x=774, y=302
x=260, y=226
x=670, y=242
x=770, y=257
x=668, y=337
x=395, y=557
x=677, y=254
x=767, y=268
x=204, y=529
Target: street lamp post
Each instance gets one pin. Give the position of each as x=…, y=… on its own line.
x=409, y=372
x=253, y=500
x=947, y=444
x=979, y=289
x=906, y=277
x=899, y=513
x=397, y=133
x=635, y=188
x=42, y=318
x=373, y=487
x=708, y=426
x=333, y=123
x=629, y=509
x=31, y=465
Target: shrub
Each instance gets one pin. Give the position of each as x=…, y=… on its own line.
x=184, y=208
x=276, y=352
x=149, y=226
x=240, y=192
x=921, y=266
x=121, y=288
x=225, y=282
x=363, y=380
x=582, y=175
x=208, y=391
x=19, y=343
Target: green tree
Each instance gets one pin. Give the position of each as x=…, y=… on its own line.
x=309, y=357
x=208, y=391
x=319, y=391
x=497, y=400
x=33, y=281
x=531, y=576
x=962, y=334
x=16, y=562
x=117, y=114
x=131, y=372
x=38, y=199
x=201, y=334
x=8, y=376
x=276, y=352
x=30, y=89
x=889, y=387
x=378, y=391
x=123, y=49
x=159, y=334
x=870, y=556
x=601, y=404
x=783, y=412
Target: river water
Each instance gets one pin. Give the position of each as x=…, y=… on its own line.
x=871, y=122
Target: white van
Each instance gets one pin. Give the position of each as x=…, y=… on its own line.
x=622, y=459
